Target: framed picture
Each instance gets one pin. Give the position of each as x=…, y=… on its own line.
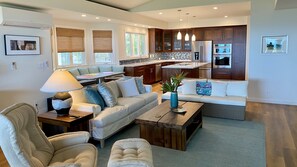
x=274, y=44
x=21, y=45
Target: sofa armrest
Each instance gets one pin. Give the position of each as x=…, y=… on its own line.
x=87, y=107
x=68, y=139
x=148, y=88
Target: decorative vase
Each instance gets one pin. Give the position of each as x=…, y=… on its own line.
x=173, y=100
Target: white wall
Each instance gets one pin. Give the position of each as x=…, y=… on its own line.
x=23, y=84
x=272, y=77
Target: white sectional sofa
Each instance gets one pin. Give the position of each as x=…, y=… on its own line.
x=228, y=100
x=110, y=120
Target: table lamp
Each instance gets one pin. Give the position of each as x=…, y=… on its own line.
x=61, y=82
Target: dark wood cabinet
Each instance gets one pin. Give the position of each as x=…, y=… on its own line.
x=199, y=33
x=181, y=45
x=147, y=71
x=155, y=40
x=239, y=53
x=221, y=73
x=167, y=40
x=219, y=35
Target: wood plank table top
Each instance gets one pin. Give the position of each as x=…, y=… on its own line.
x=164, y=117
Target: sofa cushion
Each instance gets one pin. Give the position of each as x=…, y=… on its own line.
x=118, y=68
x=132, y=103
x=110, y=115
x=128, y=87
x=115, y=89
x=94, y=97
x=148, y=97
x=237, y=88
x=218, y=89
x=74, y=72
x=227, y=100
x=189, y=87
x=105, y=68
x=203, y=88
x=94, y=69
x=183, y=97
x=109, y=98
x=83, y=71
x=139, y=84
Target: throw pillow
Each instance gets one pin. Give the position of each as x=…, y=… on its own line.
x=105, y=91
x=115, y=89
x=203, y=88
x=189, y=87
x=128, y=87
x=94, y=97
x=218, y=89
x=78, y=96
x=118, y=68
x=139, y=84
x=237, y=88
x=105, y=68
x=74, y=72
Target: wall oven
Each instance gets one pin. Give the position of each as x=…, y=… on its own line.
x=222, y=55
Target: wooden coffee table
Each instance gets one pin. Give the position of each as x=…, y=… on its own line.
x=162, y=127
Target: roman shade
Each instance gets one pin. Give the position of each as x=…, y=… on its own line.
x=70, y=40
x=102, y=41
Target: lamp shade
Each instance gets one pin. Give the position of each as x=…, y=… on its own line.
x=60, y=81
x=179, y=36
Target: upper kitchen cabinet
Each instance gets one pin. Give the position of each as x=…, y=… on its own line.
x=221, y=35
x=155, y=40
x=167, y=40
x=181, y=45
x=199, y=33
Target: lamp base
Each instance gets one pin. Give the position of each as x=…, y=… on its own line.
x=63, y=111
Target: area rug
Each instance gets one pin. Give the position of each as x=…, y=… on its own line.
x=220, y=143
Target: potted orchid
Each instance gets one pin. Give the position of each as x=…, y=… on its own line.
x=171, y=86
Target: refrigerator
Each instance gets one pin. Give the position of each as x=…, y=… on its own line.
x=202, y=52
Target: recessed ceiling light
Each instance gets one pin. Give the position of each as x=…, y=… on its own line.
x=215, y=8
x=135, y=24
x=83, y=15
x=97, y=18
x=180, y=19
x=226, y=16
x=160, y=13
x=108, y=19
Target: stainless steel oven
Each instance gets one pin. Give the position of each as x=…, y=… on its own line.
x=222, y=61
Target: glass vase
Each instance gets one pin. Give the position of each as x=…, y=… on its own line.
x=173, y=100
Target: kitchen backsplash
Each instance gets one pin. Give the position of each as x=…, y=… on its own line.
x=161, y=56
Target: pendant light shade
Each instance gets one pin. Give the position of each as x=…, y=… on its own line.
x=179, y=36
x=187, y=38
x=193, y=37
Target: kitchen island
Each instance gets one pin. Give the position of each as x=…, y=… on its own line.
x=191, y=68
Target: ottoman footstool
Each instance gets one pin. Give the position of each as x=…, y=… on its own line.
x=134, y=152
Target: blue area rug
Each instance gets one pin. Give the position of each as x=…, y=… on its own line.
x=220, y=143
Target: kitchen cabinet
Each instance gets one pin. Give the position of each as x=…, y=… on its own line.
x=239, y=53
x=167, y=40
x=147, y=71
x=220, y=35
x=199, y=33
x=182, y=45
x=155, y=40
x=221, y=73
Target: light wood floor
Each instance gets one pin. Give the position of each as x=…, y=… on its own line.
x=281, y=131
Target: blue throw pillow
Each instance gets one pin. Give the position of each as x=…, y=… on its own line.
x=94, y=97
x=203, y=88
x=106, y=93
x=139, y=83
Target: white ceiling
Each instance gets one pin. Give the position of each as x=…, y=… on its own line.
x=122, y=4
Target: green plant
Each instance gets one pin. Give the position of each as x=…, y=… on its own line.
x=175, y=82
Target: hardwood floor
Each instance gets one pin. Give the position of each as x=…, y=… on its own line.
x=280, y=123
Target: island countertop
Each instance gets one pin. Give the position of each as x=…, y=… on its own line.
x=154, y=62
x=187, y=65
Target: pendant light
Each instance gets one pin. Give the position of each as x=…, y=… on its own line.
x=194, y=36
x=187, y=38
x=179, y=35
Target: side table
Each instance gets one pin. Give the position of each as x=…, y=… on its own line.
x=75, y=121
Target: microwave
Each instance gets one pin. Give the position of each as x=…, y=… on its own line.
x=222, y=61
x=222, y=49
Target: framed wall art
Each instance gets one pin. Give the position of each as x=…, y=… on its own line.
x=275, y=44
x=21, y=45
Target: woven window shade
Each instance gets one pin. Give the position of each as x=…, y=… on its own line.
x=102, y=41
x=70, y=40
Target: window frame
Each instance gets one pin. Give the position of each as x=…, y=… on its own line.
x=145, y=52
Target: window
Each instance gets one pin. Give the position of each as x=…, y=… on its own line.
x=70, y=47
x=102, y=44
x=135, y=44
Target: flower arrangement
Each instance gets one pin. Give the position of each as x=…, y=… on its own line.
x=175, y=82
